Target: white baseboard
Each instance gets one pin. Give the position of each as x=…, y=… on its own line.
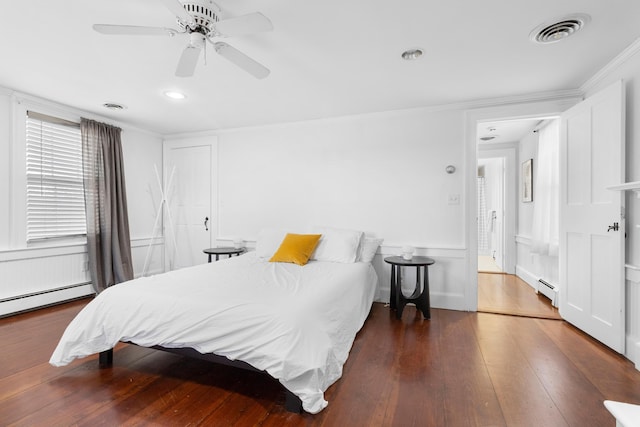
x=30, y=302
x=527, y=276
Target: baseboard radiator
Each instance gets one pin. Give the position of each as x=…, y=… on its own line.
x=27, y=302
x=548, y=290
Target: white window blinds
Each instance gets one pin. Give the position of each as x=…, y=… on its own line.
x=55, y=195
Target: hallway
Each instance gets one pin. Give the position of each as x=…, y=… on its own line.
x=508, y=294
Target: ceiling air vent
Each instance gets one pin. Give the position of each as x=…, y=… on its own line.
x=560, y=29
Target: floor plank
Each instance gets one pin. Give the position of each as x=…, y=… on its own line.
x=457, y=369
x=508, y=294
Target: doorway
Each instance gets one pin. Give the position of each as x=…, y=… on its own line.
x=505, y=285
x=189, y=223
x=490, y=214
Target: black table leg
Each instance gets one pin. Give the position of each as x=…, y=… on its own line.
x=400, y=300
x=392, y=299
x=421, y=299
x=425, y=292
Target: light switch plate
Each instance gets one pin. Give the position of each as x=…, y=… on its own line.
x=454, y=199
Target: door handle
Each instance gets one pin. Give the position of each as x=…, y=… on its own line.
x=613, y=227
x=206, y=221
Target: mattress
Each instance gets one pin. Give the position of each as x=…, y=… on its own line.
x=297, y=323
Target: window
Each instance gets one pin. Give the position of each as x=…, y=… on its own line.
x=55, y=195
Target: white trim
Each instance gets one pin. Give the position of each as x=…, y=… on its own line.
x=140, y=242
x=610, y=67
x=627, y=186
x=510, y=200
x=46, y=298
x=461, y=106
x=66, y=110
x=43, y=252
x=541, y=108
x=528, y=277
x=632, y=273
x=525, y=240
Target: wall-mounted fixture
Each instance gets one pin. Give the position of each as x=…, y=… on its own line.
x=450, y=169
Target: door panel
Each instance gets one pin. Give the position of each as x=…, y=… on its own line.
x=592, y=258
x=189, y=225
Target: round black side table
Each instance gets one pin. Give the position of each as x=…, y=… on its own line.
x=420, y=296
x=222, y=251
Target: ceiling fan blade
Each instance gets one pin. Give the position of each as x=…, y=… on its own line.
x=232, y=54
x=245, y=24
x=177, y=9
x=133, y=30
x=188, y=60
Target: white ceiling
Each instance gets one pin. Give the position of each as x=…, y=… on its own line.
x=327, y=58
x=505, y=131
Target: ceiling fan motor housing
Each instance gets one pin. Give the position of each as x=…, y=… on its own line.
x=205, y=14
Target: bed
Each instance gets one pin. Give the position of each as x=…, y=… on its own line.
x=295, y=322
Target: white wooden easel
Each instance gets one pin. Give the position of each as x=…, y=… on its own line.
x=164, y=204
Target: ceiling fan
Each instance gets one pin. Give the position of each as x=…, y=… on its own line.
x=200, y=20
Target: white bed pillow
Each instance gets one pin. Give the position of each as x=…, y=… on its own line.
x=368, y=248
x=337, y=245
x=269, y=240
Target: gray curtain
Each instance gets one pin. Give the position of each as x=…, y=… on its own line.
x=108, y=241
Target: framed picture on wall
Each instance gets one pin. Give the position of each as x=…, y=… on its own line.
x=527, y=181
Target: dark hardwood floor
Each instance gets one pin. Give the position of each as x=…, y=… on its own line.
x=508, y=294
x=457, y=369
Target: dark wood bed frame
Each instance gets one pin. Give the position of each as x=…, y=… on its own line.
x=292, y=402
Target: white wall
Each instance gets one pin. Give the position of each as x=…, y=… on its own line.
x=531, y=267
x=37, y=274
x=381, y=173
x=142, y=152
x=5, y=165
x=494, y=177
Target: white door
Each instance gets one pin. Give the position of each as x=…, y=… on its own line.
x=591, y=253
x=189, y=222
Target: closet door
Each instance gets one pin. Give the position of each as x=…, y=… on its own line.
x=592, y=225
x=189, y=220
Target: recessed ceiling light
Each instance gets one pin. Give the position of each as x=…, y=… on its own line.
x=113, y=106
x=559, y=29
x=412, y=54
x=488, y=138
x=173, y=94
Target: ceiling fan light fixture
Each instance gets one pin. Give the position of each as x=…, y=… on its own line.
x=174, y=94
x=412, y=54
x=559, y=29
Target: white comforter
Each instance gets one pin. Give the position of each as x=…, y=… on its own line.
x=296, y=323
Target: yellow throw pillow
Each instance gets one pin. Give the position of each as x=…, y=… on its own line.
x=296, y=248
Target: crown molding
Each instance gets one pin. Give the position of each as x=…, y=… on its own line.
x=6, y=91
x=75, y=113
x=569, y=95
x=616, y=62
